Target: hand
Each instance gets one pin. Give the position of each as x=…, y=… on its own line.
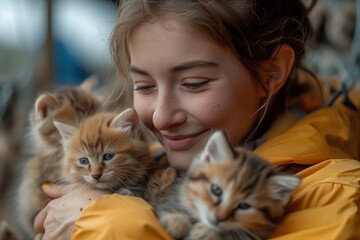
x=57, y=219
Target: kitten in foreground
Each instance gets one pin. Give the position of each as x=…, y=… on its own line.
x=107, y=151
x=67, y=104
x=226, y=194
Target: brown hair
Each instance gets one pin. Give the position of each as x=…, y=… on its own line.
x=252, y=29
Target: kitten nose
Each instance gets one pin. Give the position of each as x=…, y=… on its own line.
x=97, y=176
x=221, y=217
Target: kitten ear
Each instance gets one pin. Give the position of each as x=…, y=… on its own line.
x=218, y=147
x=44, y=103
x=282, y=186
x=89, y=84
x=127, y=120
x=66, y=131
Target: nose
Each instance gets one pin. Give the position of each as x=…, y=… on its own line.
x=168, y=112
x=97, y=175
x=96, y=172
x=221, y=216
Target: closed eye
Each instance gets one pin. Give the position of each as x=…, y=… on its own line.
x=144, y=88
x=195, y=85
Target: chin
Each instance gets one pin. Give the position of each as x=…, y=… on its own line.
x=180, y=160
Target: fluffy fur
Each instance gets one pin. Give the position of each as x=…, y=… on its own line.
x=226, y=194
x=7, y=232
x=107, y=151
x=68, y=104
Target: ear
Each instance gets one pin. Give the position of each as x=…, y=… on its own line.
x=44, y=103
x=89, y=84
x=66, y=131
x=128, y=121
x=282, y=186
x=218, y=148
x=278, y=68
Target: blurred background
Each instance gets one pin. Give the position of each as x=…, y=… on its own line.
x=49, y=43
x=45, y=44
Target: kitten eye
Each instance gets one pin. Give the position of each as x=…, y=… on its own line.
x=84, y=161
x=216, y=189
x=108, y=156
x=244, y=205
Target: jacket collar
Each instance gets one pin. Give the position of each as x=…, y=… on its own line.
x=328, y=133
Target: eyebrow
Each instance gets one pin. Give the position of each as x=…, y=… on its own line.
x=180, y=67
x=193, y=64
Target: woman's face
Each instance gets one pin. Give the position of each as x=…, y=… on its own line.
x=186, y=87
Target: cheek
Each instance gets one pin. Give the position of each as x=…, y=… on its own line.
x=252, y=220
x=197, y=198
x=144, y=111
x=206, y=107
x=231, y=112
x=238, y=112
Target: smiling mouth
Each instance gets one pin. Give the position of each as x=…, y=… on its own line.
x=182, y=142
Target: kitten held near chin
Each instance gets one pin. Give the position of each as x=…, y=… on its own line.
x=107, y=151
x=226, y=194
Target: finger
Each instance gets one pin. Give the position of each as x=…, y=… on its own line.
x=39, y=220
x=54, y=191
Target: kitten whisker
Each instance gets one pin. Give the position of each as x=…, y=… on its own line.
x=247, y=232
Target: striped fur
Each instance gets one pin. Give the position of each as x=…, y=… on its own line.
x=116, y=152
x=227, y=194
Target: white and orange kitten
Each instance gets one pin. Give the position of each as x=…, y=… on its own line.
x=107, y=151
x=226, y=194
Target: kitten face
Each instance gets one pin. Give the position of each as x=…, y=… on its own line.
x=106, y=151
x=231, y=190
x=68, y=104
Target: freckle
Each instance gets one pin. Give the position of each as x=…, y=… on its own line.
x=63, y=205
x=218, y=105
x=80, y=209
x=89, y=199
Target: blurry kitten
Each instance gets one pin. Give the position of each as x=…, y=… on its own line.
x=68, y=104
x=107, y=151
x=161, y=184
x=226, y=194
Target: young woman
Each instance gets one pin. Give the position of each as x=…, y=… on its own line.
x=198, y=66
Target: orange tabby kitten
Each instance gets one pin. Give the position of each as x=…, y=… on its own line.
x=107, y=151
x=226, y=194
x=68, y=104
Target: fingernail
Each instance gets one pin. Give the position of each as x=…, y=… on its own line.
x=46, y=185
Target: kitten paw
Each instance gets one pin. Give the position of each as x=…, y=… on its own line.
x=200, y=231
x=125, y=191
x=177, y=224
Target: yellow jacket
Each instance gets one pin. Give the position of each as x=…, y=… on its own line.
x=326, y=206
